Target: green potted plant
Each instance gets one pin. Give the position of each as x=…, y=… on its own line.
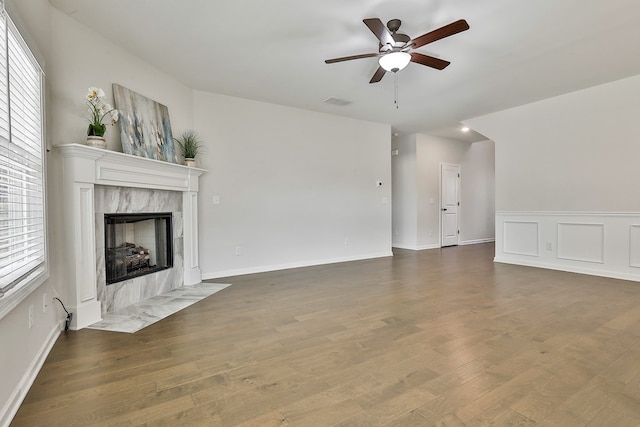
x=190, y=146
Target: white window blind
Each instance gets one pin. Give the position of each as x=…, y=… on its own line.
x=22, y=225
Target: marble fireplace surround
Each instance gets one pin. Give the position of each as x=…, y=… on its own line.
x=116, y=200
x=84, y=169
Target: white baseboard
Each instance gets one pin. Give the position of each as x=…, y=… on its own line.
x=569, y=269
x=20, y=392
x=436, y=246
x=265, y=268
x=401, y=246
x=417, y=248
x=476, y=241
x=425, y=247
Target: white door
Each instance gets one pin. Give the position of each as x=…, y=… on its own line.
x=449, y=203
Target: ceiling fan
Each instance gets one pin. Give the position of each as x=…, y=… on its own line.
x=394, y=50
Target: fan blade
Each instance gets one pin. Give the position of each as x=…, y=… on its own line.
x=440, y=33
x=379, y=30
x=429, y=61
x=349, y=58
x=379, y=74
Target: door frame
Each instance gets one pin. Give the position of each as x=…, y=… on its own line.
x=442, y=164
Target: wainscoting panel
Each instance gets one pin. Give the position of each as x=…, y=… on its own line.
x=521, y=238
x=596, y=243
x=634, y=245
x=581, y=242
x=87, y=276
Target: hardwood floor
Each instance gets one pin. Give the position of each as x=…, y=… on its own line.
x=436, y=337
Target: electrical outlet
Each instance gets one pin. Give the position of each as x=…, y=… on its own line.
x=549, y=246
x=30, y=316
x=67, y=323
x=238, y=250
x=45, y=302
x=346, y=241
x=216, y=200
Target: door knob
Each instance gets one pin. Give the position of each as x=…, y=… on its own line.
x=444, y=209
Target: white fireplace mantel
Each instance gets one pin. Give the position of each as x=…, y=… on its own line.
x=84, y=167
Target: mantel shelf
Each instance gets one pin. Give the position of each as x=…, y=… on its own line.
x=106, y=167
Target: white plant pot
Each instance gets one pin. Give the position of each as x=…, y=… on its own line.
x=190, y=162
x=96, y=141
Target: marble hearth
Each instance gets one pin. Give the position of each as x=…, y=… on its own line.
x=100, y=181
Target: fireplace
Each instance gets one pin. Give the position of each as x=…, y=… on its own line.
x=137, y=244
x=98, y=182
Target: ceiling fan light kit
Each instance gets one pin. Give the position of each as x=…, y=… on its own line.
x=394, y=61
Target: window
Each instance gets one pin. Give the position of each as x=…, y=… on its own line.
x=22, y=220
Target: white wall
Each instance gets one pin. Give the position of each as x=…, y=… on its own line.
x=576, y=152
x=81, y=59
x=295, y=187
x=566, y=178
x=477, y=219
x=417, y=212
x=405, y=192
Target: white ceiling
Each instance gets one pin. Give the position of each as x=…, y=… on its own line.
x=515, y=52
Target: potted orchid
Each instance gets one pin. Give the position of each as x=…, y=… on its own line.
x=99, y=109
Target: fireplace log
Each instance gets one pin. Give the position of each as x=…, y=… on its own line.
x=133, y=257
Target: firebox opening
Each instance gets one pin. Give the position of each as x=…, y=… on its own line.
x=137, y=244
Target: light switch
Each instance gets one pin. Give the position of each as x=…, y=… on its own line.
x=216, y=200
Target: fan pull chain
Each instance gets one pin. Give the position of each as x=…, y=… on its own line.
x=396, y=89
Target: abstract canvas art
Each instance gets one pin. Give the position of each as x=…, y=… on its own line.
x=145, y=129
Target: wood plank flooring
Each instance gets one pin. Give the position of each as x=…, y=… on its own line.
x=436, y=337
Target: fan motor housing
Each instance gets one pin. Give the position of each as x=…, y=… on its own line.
x=394, y=25
x=400, y=40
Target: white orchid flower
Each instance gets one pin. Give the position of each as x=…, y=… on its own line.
x=95, y=92
x=92, y=92
x=105, y=108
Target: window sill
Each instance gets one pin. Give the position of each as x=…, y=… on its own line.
x=15, y=296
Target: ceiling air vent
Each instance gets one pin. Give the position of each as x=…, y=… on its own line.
x=336, y=101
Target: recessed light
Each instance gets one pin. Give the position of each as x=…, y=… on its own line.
x=465, y=129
